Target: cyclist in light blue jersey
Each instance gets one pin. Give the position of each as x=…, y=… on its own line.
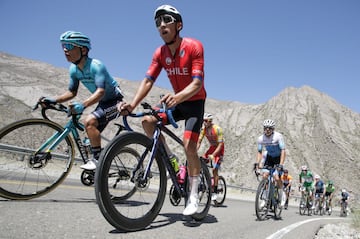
x=93, y=74
x=272, y=144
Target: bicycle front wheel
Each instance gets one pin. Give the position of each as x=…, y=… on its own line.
x=302, y=206
x=25, y=172
x=277, y=202
x=261, y=201
x=221, y=191
x=129, y=197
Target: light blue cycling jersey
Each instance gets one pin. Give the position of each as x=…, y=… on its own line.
x=93, y=76
x=273, y=144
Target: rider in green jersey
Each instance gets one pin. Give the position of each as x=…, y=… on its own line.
x=306, y=178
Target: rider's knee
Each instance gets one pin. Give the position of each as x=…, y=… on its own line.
x=90, y=121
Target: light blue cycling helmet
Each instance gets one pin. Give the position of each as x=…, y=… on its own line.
x=76, y=38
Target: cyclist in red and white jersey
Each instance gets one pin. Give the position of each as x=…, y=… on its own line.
x=183, y=61
x=215, y=152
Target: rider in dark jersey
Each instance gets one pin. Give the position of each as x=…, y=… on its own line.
x=93, y=74
x=183, y=61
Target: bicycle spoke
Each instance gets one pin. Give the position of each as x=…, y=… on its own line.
x=24, y=174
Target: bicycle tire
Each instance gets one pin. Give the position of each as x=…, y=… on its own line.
x=21, y=178
x=316, y=209
x=261, y=210
x=308, y=206
x=302, y=206
x=276, y=205
x=138, y=208
x=204, y=192
x=221, y=191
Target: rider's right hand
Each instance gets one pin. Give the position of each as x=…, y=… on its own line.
x=124, y=108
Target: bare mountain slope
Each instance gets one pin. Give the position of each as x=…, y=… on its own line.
x=319, y=132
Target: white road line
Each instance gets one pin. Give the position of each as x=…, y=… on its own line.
x=279, y=234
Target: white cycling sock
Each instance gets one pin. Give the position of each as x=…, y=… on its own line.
x=194, y=185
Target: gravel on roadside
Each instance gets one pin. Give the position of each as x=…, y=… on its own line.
x=338, y=231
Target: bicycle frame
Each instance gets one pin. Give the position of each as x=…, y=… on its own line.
x=271, y=187
x=157, y=146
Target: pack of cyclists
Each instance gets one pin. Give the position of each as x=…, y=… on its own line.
x=183, y=60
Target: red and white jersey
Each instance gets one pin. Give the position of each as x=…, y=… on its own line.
x=186, y=64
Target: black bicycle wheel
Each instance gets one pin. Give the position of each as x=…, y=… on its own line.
x=26, y=173
x=204, y=193
x=261, y=201
x=221, y=191
x=119, y=172
x=302, y=206
x=321, y=208
x=277, y=201
x=309, y=206
x=316, y=207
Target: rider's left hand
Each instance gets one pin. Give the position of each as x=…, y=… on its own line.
x=77, y=108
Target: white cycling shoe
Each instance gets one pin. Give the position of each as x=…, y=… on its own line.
x=90, y=165
x=213, y=197
x=192, y=206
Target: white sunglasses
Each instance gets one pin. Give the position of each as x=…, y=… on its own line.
x=167, y=19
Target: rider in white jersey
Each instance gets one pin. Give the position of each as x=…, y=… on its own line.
x=271, y=142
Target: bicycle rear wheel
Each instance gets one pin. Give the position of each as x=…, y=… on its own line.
x=26, y=173
x=127, y=199
x=261, y=201
x=221, y=191
x=204, y=192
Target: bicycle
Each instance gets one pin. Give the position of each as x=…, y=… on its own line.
x=221, y=190
x=328, y=207
x=37, y=154
x=343, y=208
x=147, y=175
x=319, y=204
x=305, y=202
x=267, y=196
x=286, y=191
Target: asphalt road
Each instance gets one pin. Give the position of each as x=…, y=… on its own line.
x=70, y=211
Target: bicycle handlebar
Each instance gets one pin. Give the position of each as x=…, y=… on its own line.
x=153, y=112
x=256, y=168
x=58, y=107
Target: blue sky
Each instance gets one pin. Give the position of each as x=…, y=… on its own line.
x=253, y=48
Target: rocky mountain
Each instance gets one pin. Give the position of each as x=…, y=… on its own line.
x=318, y=131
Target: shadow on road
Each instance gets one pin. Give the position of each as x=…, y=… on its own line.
x=171, y=218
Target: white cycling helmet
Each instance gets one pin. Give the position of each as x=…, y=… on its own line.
x=269, y=123
x=303, y=168
x=208, y=116
x=317, y=176
x=343, y=190
x=168, y=9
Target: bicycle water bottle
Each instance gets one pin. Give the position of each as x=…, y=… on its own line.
x=87, y=146
x=174, y=162
x=181, y=174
